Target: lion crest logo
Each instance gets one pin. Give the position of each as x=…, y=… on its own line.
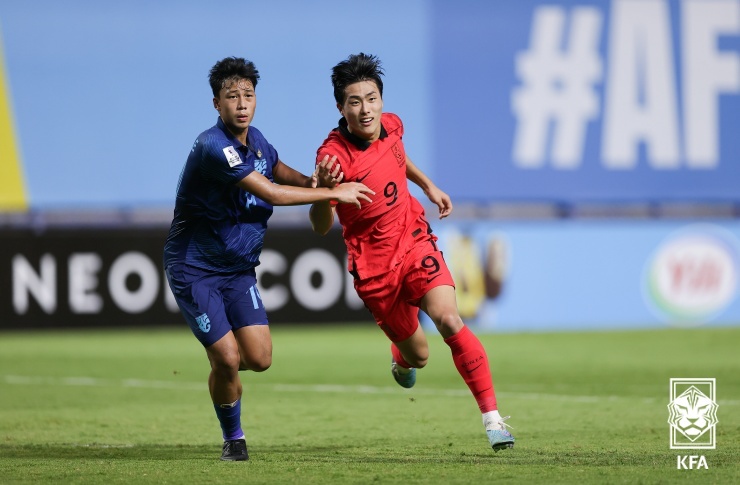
x=692, y=413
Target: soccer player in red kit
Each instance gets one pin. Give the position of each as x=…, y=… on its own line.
x=392, y=252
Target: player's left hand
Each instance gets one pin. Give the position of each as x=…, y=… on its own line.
x=328, y=173
x=441, y=200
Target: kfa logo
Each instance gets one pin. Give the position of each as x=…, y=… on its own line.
x=692, y=462
x=692, y=413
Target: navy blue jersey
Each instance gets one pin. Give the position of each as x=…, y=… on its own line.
x=218, y=226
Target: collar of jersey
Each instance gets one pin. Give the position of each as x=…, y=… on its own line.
x=354, y=139
x=237, y=144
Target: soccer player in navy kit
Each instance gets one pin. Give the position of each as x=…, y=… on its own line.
x=225, y=196
x=392, y=252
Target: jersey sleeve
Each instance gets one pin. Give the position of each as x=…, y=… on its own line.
x=222, y=162
x=333, y=148
x=392, y=124
x=273, y=155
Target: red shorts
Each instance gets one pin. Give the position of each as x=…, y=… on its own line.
x=394, y=297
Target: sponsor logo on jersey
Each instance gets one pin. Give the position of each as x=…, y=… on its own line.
x=232, y=156
x=364, y=175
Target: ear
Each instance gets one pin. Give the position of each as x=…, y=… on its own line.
x=339, y=107
x=216, y=105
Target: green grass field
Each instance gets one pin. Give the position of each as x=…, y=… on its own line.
x=133, y=407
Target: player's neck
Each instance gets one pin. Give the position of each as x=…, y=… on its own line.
x=240, y=135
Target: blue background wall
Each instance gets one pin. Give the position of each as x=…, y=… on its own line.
x=108, y=96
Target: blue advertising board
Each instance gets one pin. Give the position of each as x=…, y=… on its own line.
x=591, y=275
x=587, y=100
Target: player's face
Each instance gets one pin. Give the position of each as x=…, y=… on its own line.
x=362, y=109
x=235, y=104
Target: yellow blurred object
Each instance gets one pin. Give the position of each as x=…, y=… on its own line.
x=467, y=271
x=12, y=187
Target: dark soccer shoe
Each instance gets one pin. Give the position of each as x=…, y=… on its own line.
x=235, y=450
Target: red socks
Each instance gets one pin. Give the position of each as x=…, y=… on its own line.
x=398, y=357
x=472, y=363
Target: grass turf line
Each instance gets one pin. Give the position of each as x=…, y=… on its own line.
x=132, y=406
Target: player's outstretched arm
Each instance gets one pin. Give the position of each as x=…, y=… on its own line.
x=435, y=195
x=286, y=175
x=328, y=173
x=274, y=194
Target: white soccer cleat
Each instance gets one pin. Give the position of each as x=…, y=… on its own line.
x=498, y=435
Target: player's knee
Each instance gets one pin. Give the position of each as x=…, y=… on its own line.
x=448, y=323
x=225, y=364
x=259, y=365
x=419, y=363
x=256, y=363
x=418, y=360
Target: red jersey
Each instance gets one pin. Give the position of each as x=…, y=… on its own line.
x=381, y=233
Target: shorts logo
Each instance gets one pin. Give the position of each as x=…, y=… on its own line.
x=232, y=156
x=204, y=323
x=693, y=413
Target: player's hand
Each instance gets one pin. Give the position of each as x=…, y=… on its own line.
x=353, y=193
x=441, y=200
x=328, y=173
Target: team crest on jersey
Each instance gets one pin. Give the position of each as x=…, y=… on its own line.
x=398, y=153
x=232, y=156
x=204, y=323
x=261, y=166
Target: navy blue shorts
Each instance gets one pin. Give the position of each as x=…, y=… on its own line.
x=215, y=304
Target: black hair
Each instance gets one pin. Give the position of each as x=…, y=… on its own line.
x=231, y=69
x=356, y=68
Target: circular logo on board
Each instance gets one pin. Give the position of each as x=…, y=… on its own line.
x=692, y=276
